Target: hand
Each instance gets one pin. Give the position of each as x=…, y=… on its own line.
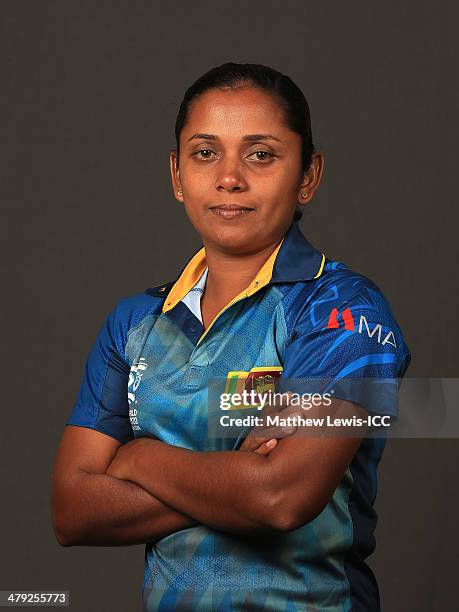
x=267, y=439
x=122, y=464
x=261, y=446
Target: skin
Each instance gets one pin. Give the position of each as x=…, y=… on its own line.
x=91, y=507
x=264, y=174
x=279, y=491
x=287, y=487
x=146, y=489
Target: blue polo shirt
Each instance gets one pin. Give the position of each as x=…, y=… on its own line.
x=148, y=375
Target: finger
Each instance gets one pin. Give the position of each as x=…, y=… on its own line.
x=266, y=447
x=277, y=400
x=278, y=403
x=283, y=413
x=280, y=431
x=251, y=442
x=283, y=427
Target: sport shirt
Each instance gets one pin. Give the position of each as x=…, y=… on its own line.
x=147, y=375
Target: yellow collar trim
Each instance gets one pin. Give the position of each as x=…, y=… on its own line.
x=196, y=266
x=321, y=267
x=187, y=279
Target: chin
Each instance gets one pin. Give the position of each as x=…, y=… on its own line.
x=234, y=238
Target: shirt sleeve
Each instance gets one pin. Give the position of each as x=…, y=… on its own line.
x=102, y=402
x=347, y=340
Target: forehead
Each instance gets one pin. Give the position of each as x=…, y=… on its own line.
x=236, y=110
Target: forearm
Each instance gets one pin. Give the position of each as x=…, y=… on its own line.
x=224, y=490
x=105, y=511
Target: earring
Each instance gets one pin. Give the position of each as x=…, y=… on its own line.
x=180, y=192
x=304, y=195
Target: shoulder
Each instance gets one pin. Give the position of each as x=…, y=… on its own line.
x=336, y=287
x=341, y=299
x=341, y=287
x=130, y=311
x=149, y=301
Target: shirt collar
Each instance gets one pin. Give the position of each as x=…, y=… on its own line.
x=297, y=260
x=294, y=259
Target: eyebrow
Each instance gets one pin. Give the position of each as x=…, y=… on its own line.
x=248, y=137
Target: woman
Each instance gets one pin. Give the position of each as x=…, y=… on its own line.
x=280, y=523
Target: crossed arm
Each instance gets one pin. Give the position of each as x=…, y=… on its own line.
x=90, y=507
x=147, y=489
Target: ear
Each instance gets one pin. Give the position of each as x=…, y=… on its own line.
x=175, y=176
x=311, y=179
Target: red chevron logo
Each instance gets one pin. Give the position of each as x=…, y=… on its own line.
x=346, y=316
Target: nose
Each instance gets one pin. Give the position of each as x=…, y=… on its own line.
x=230, y=177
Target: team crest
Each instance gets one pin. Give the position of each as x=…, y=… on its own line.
x=260, y=379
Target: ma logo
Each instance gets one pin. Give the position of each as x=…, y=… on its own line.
x=348, y=323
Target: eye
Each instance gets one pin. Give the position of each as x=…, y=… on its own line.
x=265, y=155
x=203, y=153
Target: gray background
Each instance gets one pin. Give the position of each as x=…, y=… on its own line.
x=89, y=95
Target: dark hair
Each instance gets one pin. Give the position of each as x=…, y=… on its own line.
x=289, y=96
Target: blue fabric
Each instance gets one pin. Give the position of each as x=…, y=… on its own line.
x=102, y=402
x=148, y=374
x=373, y=348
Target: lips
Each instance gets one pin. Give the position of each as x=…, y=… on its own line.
x=230, y=211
